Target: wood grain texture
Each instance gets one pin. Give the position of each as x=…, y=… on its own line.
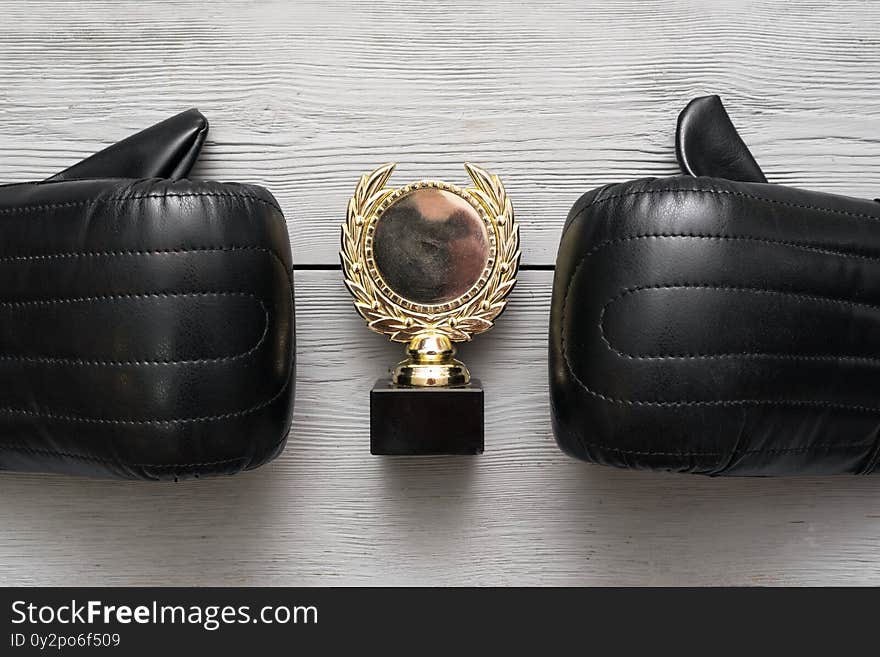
x=326, y=512
x=557, y=97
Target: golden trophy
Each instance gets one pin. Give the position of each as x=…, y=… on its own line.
x=429, y=264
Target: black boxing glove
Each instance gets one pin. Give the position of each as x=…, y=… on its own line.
x=718, y=325
x=146, y=321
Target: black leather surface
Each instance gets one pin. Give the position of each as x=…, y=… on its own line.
x=166, y=150
x=707, y=143
x=718, y=327
x=146, y=325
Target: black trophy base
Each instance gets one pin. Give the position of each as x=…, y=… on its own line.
x=408, y=421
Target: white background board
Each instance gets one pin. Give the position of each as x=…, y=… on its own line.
x=556, y=97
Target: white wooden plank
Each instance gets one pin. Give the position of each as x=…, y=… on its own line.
x=326, y=512
x=557, y=97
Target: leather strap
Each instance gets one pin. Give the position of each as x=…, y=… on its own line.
x=165, y=150
x=707, y=143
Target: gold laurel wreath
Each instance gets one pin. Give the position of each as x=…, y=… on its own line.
x=459, y=324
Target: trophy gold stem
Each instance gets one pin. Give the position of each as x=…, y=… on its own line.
x=430, y=363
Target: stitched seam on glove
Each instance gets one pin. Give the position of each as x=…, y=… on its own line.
x=125, y=199
x=743, y=354
x=98, y=459
x=782, y=450
x=173, y=421
x=115, y=253
x=170, y=294
x=728, y=192
x=58, y=255
x=94, y=362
